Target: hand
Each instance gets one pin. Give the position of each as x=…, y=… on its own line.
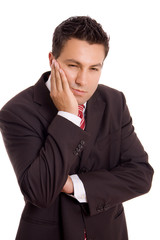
x=61, y=93
x=68, y=186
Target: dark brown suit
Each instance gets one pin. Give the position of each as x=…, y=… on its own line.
x=45, y=148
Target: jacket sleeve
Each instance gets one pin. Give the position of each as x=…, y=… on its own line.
x=131, y=177
x=41, y=165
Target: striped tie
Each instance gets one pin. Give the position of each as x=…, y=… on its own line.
x=82, y=125
x=80, y=114
x=85, y=235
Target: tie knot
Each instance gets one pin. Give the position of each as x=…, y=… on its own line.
x=80, y=107
x=81, y=115
x=80, y=110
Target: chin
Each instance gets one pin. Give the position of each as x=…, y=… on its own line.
x=80, y=102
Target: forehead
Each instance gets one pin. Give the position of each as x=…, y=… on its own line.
x=82, y=52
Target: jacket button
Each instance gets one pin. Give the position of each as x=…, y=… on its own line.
x=99, y=209
x=82, y=142
x=75, y=153
x=78, y=149
x=80, y=146
x=106, y=207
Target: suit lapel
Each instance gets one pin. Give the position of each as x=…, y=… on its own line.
x=94, y=115
x=42, y=97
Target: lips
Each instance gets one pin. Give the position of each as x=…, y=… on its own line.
x=78, y=91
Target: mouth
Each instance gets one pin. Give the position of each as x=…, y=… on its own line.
x=78, y=91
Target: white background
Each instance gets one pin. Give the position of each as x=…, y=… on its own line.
x=132, y=66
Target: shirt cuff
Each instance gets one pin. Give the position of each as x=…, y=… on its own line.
x=79, y=191
x=71, y=117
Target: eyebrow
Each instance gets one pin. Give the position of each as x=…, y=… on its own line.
x=78, y=63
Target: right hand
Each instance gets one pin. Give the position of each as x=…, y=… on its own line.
x=68, y=186
x=61, y=93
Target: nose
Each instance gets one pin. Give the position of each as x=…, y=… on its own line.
x=81, y=78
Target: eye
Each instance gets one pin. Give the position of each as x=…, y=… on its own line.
x=72, y=65
x=94, y=69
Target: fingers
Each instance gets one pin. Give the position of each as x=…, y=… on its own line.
x=60, y=93
x=56, y=81
x=59, y=83
x=53, y=77
x=65, y=84
x=58, y=78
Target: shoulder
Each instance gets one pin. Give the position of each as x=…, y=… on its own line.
x=105, y=90
x=25, y=101
x=16, y=111
x=110, y=95
x=19, y=101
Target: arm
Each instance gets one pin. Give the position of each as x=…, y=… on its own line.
x=65, y=101
x=42, y=164
x=130, y=177
x=73, y=183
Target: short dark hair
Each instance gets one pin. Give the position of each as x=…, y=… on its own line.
x=82, y=28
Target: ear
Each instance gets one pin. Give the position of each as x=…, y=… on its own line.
x=51, y=57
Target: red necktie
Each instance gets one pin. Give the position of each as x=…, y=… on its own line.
x=85, y=235
x=81, y=115
x=82, y=125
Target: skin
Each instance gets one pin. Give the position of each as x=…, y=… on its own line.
x=74, y=78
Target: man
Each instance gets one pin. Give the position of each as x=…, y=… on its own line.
x=72, y=144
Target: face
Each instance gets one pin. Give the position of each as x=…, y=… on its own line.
x=82, y=63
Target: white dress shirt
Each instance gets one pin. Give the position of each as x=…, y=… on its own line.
x=79, y=190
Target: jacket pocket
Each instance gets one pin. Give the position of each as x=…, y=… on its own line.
x=39, y=221
x=31, y=229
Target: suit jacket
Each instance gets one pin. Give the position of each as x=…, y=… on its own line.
x=45, y=148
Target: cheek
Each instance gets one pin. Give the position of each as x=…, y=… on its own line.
x=92, y=86
x=71, y=75
x=93, y=83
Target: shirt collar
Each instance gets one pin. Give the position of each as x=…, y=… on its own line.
x=48, y=83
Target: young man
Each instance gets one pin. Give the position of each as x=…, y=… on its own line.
x=72, y=144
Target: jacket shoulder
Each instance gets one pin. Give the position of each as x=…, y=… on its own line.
x=19, y=101
x=27, y=96
x=111, y=96
x=17, y=110
x=105, y=90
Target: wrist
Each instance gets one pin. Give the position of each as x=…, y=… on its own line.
x=71, y=117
